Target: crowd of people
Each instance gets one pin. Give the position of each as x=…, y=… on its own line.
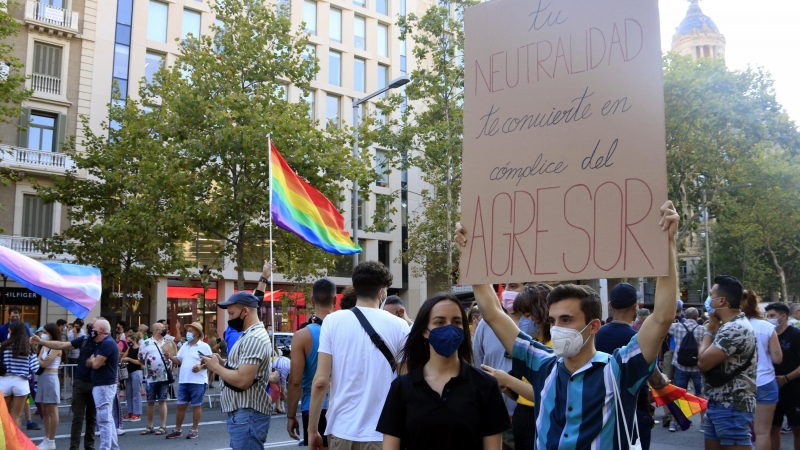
x=536, y=367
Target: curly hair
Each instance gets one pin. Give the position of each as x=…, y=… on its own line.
x=533, y=301
x=348, y=298
x=369, y=277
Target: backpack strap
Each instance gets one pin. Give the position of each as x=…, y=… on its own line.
x=375, y=338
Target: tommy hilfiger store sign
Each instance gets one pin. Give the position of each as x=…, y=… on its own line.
x=20, y=296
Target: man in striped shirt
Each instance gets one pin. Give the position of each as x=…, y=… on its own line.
x=574, y=385
x=246, y=375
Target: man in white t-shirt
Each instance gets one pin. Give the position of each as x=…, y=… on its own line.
x=357, y=372
x=192, y=380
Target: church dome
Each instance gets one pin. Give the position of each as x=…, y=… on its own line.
x=695, y=19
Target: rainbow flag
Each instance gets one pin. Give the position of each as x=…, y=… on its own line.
x=76, y=288
x=11, y=438
x=680, y=403
x=299, y=208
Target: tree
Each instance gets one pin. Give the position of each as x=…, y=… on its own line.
x=12, y=77
x=121, y=221
x=215, y=108
x=716, y=118
x=429, y=136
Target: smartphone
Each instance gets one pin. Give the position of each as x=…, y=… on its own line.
x=201, y=354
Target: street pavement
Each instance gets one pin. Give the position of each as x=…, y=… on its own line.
x=214, y=435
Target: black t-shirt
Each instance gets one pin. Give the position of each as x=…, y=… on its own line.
x=133, y=353
x=616, y=335
x=471, y=407
x=790, y=344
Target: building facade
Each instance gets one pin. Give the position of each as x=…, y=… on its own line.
x=76, y=50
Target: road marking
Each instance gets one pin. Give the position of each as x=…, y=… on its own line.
x=130, y=430
x=273, y=445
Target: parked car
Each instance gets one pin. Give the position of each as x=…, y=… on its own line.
x=283, y=339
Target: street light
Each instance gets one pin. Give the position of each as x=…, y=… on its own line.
x=396, y=83
x=705, y=222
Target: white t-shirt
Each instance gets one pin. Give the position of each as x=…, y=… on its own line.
x=763, y=331
x=360, y=374
x=189, y=358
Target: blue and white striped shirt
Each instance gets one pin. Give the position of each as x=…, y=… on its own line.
x=22, y=366
x=577, y=411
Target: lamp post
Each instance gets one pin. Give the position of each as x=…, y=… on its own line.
x=205, y=272
x=705, y=223
x=3, y=310
x=396, y=83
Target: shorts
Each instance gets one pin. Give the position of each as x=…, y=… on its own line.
x=48, y=389
x=728, y=426
x=789, y=406
x=767, y=394
x=344, y=444
x=191, y=393
x=14, y=385
x=157, y=391
x=682, y=378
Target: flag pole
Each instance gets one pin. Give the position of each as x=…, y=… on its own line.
x=272, y=276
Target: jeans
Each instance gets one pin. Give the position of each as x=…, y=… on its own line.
x=248, y=429
x=132, y=386
x=106, y=425
x=82, y=405
x=727, y=425
x=682, y=378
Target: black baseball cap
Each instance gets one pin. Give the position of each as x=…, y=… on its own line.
x=623, y=296
x=242, y=298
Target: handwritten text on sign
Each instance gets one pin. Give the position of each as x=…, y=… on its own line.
x=564, y=146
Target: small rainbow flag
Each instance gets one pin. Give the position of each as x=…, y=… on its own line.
x=11, y=438
x=299, y=208
x=76, y=288
x=680, y=403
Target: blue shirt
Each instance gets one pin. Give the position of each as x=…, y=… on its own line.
x=577, y=411
x=231, y=336
x=311, y=368
x=4, y=332
x=82, y=372
x=106, y=375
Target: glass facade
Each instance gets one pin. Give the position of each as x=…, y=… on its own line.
x=335, y=25
x=152, y=63
x=157, y=13
x=335, y=68
x=360, y=33
x=359, y=74
x=310, y=16
x=383, y=40
x=191, y=24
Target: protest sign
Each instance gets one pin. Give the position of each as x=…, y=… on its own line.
x=564, y=141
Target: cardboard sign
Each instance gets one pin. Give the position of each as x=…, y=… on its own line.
x=564, y=141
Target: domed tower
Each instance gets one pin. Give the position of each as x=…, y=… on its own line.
x=698, y=35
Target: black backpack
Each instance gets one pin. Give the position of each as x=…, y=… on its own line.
x=687, y=353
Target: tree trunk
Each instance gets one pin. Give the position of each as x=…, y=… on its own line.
x=448, y=237
x=781, y=274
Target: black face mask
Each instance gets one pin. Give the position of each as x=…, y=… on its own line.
x=89, y=328
x=163, y=332
x=237, y=323
x=93, y=334
x=14, y=320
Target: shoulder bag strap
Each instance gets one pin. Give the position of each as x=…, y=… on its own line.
x=158, y=347
x=375, y=338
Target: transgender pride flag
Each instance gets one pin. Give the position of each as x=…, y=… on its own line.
x=74, y=287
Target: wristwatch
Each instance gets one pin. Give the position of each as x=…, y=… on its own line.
x=263, y=280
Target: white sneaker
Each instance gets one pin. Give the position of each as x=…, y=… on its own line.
x=47, y=444
x=120, y=431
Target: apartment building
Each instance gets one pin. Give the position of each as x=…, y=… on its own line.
x=73, y=64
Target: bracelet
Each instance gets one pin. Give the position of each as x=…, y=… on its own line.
x=263, y=280
x=292, y=417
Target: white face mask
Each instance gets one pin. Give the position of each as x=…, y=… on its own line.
x=775, y=322
x=45, y=337
x=508, y=300
x=566, y=341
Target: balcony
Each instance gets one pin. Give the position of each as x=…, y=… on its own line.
x=27, y=160
x=46, y=84
x=53, y=20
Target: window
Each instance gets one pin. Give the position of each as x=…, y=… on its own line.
x=157, y=21
x=383, y=77
x=382, y=7
x=308, y=96
x=311, y=54
x=121, y=57
x=336, y=25
x=384, y=253
x=402, y=7
x=343, y=267
x=359, y=74
x=220, y=27
x=383, y=40
x=37, y=217
x=361, y=3
x=383, y=207
x=332, y=108
x=362, y=209
x=46, y=75
x=335, y=68
x=152, y=63
x=403, y=67
x=284, y=7
x=42, y=132
x=310, y=16
x=363, y=255
x=191, y=24
x=360, y=33
x=382, y=118
x=381, y=163
x=124, y=11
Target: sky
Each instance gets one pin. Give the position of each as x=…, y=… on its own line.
x=759, y=33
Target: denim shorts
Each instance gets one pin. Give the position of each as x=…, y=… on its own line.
x=157, y=391
x=191, y=393
x=728, y=426
x=767, y=394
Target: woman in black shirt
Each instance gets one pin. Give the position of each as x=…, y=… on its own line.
x=134, y=382
x=442, y=401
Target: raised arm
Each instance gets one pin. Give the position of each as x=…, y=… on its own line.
x=55, y=345
x=656, y=326
x=502, y=325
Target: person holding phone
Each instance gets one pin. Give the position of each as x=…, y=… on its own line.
x=192, y=380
